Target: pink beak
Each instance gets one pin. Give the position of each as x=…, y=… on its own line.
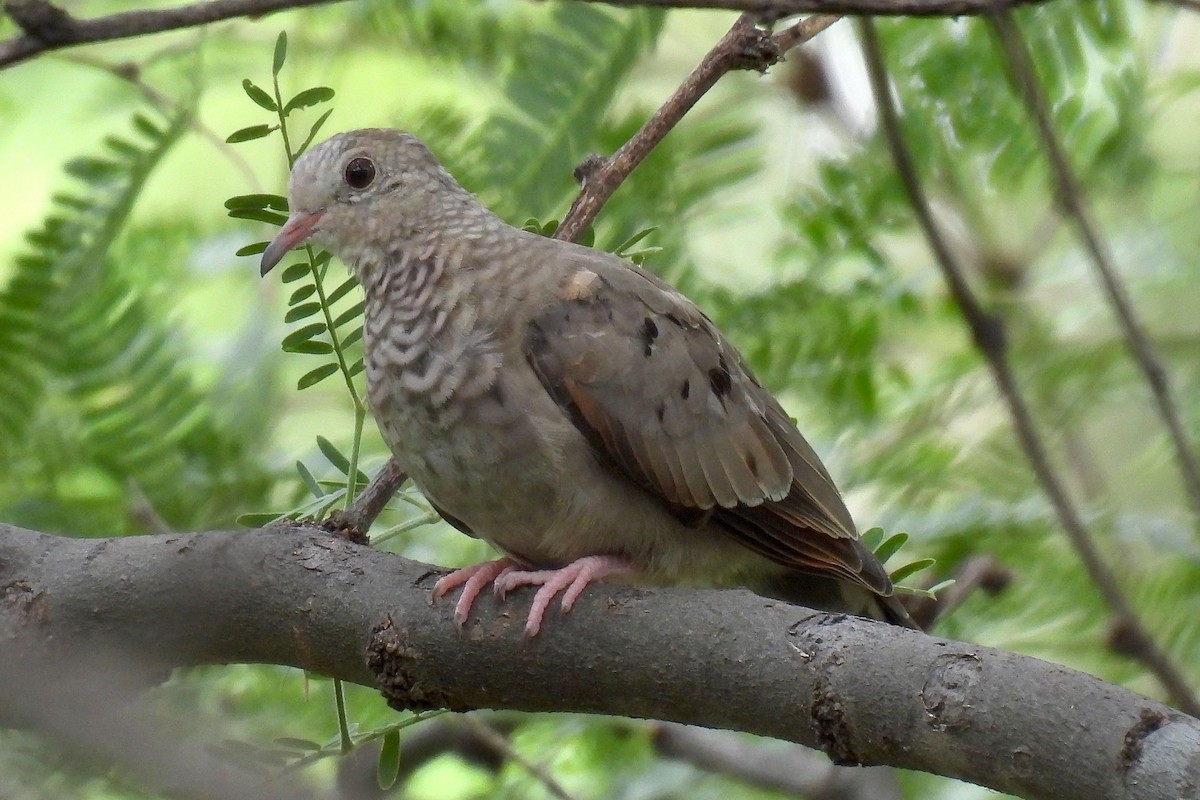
x=297, y=228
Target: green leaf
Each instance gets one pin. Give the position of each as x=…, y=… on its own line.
x=301, y=312
x=890, y=547
x=338, y=460
x=316, y=376
x=251, y=249
x=941, y=586
x=121, y=147
x=341, y=291
x=909, y=569
x=312, y=133
x=295, y=272
x=625, y=246
x=146, y=127
x=352, y=337
x=280, y=53
x=311, y=348
x=302, y=294
x=309, y=97
x=872, y=538
x=258, y=95
x=250, y=133
x=259, y=215
x=309, y=480
x=334, y=455
x=303, y=334
x=354, y=311
x=356, y=368
x=93, y=170
x=277, y=202
x=387, y=769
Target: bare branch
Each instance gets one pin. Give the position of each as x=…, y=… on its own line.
x=745, y=46
x=1070, y=196
x=987, y=331
x=47, y=27
x=371, y=501
x=862, y=691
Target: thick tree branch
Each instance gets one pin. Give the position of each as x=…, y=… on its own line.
x=987, y=331
x=861, y=691
x=47, y=27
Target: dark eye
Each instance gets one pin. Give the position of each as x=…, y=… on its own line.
x=360, y=172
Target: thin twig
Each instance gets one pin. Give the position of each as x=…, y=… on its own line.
x=987, y=331
x=745, y=46
x=800, y=32
x=500, y=743
x=45, y=26
x=1070, y=196
x=371, y=501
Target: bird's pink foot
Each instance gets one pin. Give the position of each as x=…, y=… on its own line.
x=472, y=579
x=571, y=580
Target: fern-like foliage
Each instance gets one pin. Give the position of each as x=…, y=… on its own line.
x=557, y=92
x=98, y=410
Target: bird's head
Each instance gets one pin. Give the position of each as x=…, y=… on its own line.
x=359, y=194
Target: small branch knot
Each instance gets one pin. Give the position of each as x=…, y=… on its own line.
x=588, y=168
x=391, y=658
x=758, y=50
x=43, y=21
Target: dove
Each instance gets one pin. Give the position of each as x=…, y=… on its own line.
x=566, y=406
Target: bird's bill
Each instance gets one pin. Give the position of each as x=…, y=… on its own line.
x=297, y=228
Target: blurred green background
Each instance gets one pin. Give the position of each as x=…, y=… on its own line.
x=144, y=387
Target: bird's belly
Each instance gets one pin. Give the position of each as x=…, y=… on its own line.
x=522, y=477
x=485, y=461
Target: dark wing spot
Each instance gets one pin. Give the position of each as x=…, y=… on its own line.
x=660, y=412
x=649, y=333
x=685, y=390
x=718, y=379
x=752, y=464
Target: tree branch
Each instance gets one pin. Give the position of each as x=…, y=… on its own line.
x=47, y=27
x=863, y=692
x=987, y=331
x=745, y=46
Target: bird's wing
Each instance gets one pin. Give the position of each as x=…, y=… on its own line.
x=666, y=400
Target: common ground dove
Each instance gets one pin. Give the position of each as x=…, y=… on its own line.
x=569, y=408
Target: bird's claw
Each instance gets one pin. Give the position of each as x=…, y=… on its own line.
x=505, y=574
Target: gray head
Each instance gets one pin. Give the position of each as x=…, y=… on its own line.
x=360, y=193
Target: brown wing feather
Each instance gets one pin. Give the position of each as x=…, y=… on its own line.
x=663, y=397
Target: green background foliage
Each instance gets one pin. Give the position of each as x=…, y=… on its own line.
x=144, y=387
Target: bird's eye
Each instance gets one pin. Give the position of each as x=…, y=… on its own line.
x=359, y=173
